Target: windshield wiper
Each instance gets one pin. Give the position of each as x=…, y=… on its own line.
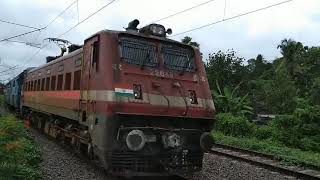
x=144, y=60
x=185, y=65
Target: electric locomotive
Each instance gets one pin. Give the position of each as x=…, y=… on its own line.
x=135, y=100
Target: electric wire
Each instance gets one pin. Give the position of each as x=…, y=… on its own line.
x=26, y=43
x=23, y=34
x=60, y=14
x=37, y=29
x=233, y=17
x=17, y=24
x=10, y=69
x=185, y=10
x=88, y=17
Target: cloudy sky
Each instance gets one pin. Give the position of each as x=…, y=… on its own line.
x=248, y=35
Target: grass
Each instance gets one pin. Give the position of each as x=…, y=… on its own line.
x=290, y=156
x=19, y=155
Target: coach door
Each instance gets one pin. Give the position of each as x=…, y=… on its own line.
x=88, y=86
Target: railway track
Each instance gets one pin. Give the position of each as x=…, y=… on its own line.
x=266, y=161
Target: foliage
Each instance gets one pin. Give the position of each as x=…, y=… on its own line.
x=315, y=92
x=188, y=40
x=233, y=125
x=225, y=68
x=286, y=130
x=263, y=132
x=19, y=156
x=272, y=85
x=228, y=101
x=290, y=156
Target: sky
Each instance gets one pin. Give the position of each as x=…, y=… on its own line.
x=257, y=33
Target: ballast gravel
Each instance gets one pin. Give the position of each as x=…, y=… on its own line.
x=219, y=167
x=61, y=164
x=58, y=163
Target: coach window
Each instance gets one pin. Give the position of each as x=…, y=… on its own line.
x=76, y=80
x=67, y=81
x=25, y=86
x=60, y=81
x=42, y=84
x=53, y=83
x=31, y=86
x=38, y=85
x=95, y=55
x=47, y=83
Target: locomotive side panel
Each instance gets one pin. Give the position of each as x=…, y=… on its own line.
x=53, y=87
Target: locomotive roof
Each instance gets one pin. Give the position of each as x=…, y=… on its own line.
x=74, y=53
x=141, y=35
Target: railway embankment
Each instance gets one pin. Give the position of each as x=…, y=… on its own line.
x=19, y=154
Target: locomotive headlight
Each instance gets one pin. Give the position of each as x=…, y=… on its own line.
x=157, y=30
x=135, y=140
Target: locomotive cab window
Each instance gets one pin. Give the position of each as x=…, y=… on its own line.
x=138, y=52
x=178, y=58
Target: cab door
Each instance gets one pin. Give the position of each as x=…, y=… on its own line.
x=87, y=88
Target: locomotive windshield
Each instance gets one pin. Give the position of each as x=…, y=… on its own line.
x=177, y=58
x=138, y=52
x=144, y=53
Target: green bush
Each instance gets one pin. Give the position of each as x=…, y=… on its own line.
x=232, y=125
x=286, y=130
x=291, y=156
x=19, y=155
x=263, y=132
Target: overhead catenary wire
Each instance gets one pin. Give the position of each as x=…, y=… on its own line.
x=88, y=17
x=233, y=17
x=60, y=14
x=23, y=34
x=10, y=69
x=82, y=21
x=17, y=24
x=36, y=29
x=26, y=43
x=185, y=10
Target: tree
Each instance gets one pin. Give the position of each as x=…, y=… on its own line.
x=258, y=66
x=291, y=52
x=188, y=40
x=226, y=68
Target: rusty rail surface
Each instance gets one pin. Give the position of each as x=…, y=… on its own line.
x=266, y=161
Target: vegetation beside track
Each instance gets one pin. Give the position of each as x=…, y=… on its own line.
x=286, y=88
x=19, y=155
x=290, y=156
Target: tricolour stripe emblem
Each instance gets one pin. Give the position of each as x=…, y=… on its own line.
x=123, y=90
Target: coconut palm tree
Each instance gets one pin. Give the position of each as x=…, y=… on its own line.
x=291, y=52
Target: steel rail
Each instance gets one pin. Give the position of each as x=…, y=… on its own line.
x=264, y=160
